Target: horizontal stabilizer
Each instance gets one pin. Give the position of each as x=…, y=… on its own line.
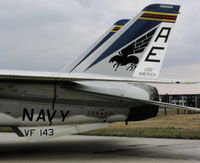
x=73, y=77
x=126, y=96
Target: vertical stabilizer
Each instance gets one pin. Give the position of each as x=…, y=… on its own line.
x=132, y=48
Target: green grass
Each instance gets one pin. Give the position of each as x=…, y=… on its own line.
x=182, y=126
x=146, y=132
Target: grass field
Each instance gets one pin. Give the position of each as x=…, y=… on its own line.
x=184, y=126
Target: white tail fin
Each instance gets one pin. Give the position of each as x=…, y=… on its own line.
x=152, y=59
x=132, y=47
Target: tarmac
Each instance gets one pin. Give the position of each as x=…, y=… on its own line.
x=86, y=149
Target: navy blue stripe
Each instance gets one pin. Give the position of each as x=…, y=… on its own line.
x=96, y=47
x=137, y=29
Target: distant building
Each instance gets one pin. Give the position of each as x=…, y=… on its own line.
x=192, y=100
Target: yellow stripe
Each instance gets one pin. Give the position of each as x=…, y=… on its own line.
x=166, y=20
x=118, y=26
x=159, y=13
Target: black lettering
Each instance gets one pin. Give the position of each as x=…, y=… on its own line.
x=51, y=132
x=26, y=114
x=32, y=131
x=41, y=116
x=26, y=132
x=64, y=115
x=153, y=54
x=29, y=132
x=161, y=35
x=51, y=116
x=45, y=132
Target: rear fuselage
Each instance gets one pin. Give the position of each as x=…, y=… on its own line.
x=35, y=103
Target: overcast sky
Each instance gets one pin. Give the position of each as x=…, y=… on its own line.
x=48, y=34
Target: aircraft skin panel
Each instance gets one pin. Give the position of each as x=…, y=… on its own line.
x=63, y=106
x=48, y=132
x=41, y=114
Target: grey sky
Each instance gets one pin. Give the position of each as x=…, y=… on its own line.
x=48, y=34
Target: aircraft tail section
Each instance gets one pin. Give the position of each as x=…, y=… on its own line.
x=132, y=48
